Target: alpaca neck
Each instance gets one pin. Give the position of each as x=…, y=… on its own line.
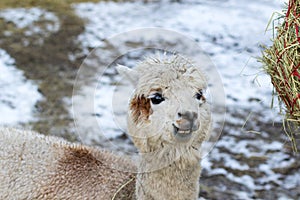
x=171, y=177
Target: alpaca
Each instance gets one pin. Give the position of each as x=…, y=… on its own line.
x=168, y=119
x=33, y=166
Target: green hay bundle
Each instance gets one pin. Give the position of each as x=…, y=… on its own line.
x=282, y=62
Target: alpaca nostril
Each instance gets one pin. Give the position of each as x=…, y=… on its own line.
x=191, y=116
x=195, y=115
x=179, y=114
x=187, y=120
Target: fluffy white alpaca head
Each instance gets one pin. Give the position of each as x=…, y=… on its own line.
x=168, y=106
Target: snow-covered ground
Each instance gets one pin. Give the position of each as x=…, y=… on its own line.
x=26, y=17
x=29, y=18
x=18, y=95
x=229, y=31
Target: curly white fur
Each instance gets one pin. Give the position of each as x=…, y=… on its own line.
x=169, y=168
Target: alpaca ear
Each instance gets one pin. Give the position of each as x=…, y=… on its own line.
x=129, y=74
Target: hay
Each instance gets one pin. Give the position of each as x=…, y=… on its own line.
x=282, y=62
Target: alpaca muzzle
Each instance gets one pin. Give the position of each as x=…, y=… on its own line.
x=185, y=124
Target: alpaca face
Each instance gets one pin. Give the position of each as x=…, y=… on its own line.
x=175, y=112
x=185, y=119
x=168, y=106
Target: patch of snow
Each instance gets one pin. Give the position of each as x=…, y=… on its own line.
x=246, y=180
x=292, y=180
x=218, y=171
x=206, y=164
x=18, y=95
x=243, y=195
x=228, y=160
x=28, y=17
x=104, y=109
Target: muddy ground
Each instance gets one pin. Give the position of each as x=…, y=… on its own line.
x=48, y=64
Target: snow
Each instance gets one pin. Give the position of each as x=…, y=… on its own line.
x=229, y=161
x=27, y=18
x=231, y=33
x=231, y=38
x=104, y=109
x=244, y=180
x=272, y=153
x=291, y=181
x=18, y=95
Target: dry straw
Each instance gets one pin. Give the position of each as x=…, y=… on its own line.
x=282, y=62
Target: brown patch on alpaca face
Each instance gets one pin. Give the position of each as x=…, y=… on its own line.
x=141, y=108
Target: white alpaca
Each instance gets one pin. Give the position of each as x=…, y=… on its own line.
x=168, y=120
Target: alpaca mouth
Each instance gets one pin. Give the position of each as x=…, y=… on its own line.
x=182, y=134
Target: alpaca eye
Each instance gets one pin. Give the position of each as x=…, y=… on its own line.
x=156, y=98
x=199, y=95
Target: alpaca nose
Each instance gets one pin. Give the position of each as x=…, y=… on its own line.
x=187, y=120
x=188, y=115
